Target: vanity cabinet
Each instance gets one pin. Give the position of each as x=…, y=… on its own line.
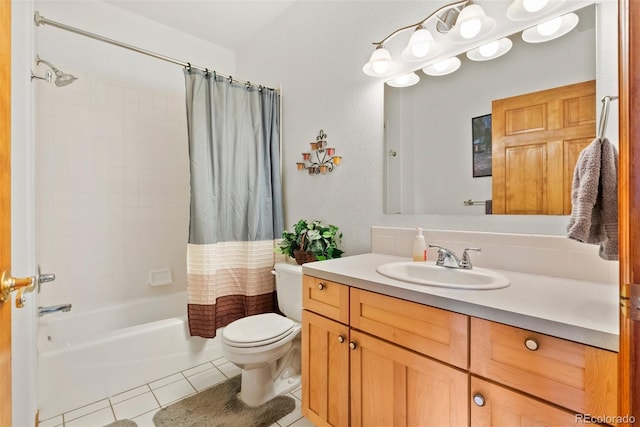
x=377, y=365
x=370, y=359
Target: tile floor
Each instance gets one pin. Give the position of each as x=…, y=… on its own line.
x=140, y=404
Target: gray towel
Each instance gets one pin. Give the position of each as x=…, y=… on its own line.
x=594, y=198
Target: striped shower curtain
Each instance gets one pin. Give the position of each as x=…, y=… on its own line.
x=236, y=200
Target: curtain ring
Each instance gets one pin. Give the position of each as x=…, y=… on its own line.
x=230, y=79
x=206, y=72
x=260, y=88
x=215, y=76
x=248, y=85
x=189, y=66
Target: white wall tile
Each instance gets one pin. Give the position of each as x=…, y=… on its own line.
x=112, y=188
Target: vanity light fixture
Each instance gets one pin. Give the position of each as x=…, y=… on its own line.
x=551, y=29
x=490, y=50
x=521, y=10
x=404, y=80
x=442, y=68
x=321, y=159
x=421, y=45
x=472, y=23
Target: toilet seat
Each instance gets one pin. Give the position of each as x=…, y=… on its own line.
x=258, y=330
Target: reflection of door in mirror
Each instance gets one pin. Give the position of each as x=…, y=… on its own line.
x=537, y=138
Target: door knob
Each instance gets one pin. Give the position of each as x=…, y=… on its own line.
x=9, y=284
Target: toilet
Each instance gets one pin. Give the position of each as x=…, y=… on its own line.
x=267, y=346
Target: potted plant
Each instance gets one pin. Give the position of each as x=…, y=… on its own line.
x=311, y=241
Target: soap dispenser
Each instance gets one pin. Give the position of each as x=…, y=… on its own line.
x=419, y=247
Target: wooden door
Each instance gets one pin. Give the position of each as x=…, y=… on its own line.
x=325, y=370
x=392, y=386
x=629, y=207
x=537, y=138
x=5, y=207
x=495, y=406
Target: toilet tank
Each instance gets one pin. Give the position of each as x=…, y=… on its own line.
x=289, y=289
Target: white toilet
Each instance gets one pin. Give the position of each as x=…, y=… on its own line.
x=267, y=346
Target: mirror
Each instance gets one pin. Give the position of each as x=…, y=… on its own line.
x=428, y=127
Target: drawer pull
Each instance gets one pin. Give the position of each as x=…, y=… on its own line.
x=353, y=345
x=321, y=286
x=478, y=399
x=531, y=344
x=340, y=339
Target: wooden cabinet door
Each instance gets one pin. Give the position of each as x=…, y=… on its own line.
x=326, y=298
x=392, y=386
x=325, y=370
x=495, y=406
x=536, y=141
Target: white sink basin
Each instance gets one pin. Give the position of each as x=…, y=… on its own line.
x=425, y=273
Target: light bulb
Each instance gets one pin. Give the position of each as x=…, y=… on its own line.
x=380, y=60
x=442, y=65
x=419, y=42
x=532, y=6
x=489, y=49
x=470, y=28
x=402, y=80
x=549, y=27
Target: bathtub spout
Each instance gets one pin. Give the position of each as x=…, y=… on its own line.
x=42, y=311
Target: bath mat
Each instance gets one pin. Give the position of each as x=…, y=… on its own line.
x=122, y=423
x=219, y=406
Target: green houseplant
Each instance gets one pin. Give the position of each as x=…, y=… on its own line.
x=311, y=241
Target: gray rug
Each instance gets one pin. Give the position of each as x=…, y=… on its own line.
x=219, y=406
x=122, y=423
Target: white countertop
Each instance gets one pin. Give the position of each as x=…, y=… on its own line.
x=585, y=312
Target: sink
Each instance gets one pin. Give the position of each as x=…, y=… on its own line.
x=425, y=273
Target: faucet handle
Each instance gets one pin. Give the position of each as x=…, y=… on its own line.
x=465, y=262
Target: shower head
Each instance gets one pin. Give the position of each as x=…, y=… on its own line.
x=62, y=79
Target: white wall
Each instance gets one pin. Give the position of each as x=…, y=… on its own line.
x=112, y=172
x=316, y=51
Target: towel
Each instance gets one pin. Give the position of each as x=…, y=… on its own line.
x=594, y=198
x=609, y=192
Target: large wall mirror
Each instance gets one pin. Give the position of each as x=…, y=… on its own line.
x=428, y=127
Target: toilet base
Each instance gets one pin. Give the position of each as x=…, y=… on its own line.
x=258, y=386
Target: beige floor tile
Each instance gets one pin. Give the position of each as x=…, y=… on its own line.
x=98, y=418
x=174, y=391
x=135, y=406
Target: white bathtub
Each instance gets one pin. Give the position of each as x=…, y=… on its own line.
x=86, y=357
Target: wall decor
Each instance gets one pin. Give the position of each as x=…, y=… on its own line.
x=481, y=136
x=321, y=159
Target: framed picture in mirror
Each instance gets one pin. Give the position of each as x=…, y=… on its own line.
x=481, y=136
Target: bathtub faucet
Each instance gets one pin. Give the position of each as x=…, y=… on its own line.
x=42, y=311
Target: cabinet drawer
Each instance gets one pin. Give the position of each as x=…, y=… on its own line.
x=575, y=376
x=326, y=298
x=437, y=333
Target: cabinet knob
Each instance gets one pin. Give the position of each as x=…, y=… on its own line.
x=340, y=339
x=478, y=399
x=321, y=286
x=353, y=345
x=531, y=344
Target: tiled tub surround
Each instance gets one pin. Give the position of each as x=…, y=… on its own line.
x=585, y=312
x=545, y=255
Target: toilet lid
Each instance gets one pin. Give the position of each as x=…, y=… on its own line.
x=257, y=330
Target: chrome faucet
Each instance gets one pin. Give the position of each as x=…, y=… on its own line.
x=447, y=258
x=42, y=311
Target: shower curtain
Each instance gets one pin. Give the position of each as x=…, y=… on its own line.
x=236, y=200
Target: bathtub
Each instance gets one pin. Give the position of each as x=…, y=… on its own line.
x=88, y=356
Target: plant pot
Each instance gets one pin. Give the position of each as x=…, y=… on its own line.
x=304, y=256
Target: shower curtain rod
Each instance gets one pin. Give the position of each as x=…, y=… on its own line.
x=41, y=20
